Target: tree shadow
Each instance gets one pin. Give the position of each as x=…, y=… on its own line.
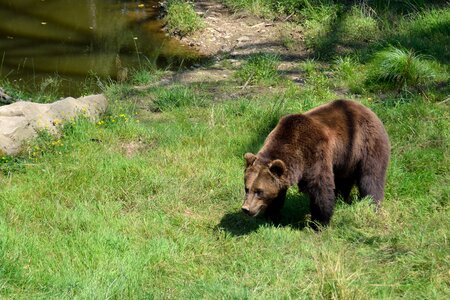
x=430, y=39
x=293, y=215
x=424, y=41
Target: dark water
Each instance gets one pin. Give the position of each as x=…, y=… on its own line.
x=66, y=40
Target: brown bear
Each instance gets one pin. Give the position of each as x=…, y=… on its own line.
x=325, y=151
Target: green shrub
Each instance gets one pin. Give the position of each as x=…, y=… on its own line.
x=259, y=68
x=181, y=18
x=403, y=69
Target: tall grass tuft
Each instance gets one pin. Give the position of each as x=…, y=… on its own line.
x=349, y=71
x=261, y=67
x=181, y=18
x=403, y=69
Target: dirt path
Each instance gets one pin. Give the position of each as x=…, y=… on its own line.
x=236, y=34
x=230, y=38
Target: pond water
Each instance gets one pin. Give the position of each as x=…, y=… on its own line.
x=68, y=40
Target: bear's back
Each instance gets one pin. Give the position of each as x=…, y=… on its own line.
x=349, y=129
x=353, y=129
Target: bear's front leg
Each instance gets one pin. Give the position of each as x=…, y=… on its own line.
x=273, y=211
x=322, y=207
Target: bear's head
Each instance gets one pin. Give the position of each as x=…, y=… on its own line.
x=264, y=182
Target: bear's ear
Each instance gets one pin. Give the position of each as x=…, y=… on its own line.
x=277, y=167
x=250, y=159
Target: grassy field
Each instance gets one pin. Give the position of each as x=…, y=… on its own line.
x=145, y=203
x=151, y=209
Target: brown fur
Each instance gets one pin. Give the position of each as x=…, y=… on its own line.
x=325, y=151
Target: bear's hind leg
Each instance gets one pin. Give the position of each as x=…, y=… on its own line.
x=371, y=182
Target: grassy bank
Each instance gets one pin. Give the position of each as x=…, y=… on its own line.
x=146, y=202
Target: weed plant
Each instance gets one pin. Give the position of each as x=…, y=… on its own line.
x=269, y=8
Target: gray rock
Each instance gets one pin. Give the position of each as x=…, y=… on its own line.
x=21, y=121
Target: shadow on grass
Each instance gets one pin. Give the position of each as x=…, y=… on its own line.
x=266, y=122
x=293, y=215
x=258, y=139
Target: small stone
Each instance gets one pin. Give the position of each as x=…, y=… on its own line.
x=243, y=39
x=4, y=98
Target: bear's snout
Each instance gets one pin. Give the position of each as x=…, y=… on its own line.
x=252, y=209
x=245, y=210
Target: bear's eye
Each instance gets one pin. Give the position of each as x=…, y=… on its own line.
x=258, y=193
x=246, y=190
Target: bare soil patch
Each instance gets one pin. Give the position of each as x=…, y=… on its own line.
x=237, y=35
x=132, y=148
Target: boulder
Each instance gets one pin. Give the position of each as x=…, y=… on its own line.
x=22, y=120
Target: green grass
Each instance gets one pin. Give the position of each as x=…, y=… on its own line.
x=359, y=26
x=181, y=18
x=260, y=8
x=146, y=75
x=151, y=209
x=166, y=99
x=333, y=27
